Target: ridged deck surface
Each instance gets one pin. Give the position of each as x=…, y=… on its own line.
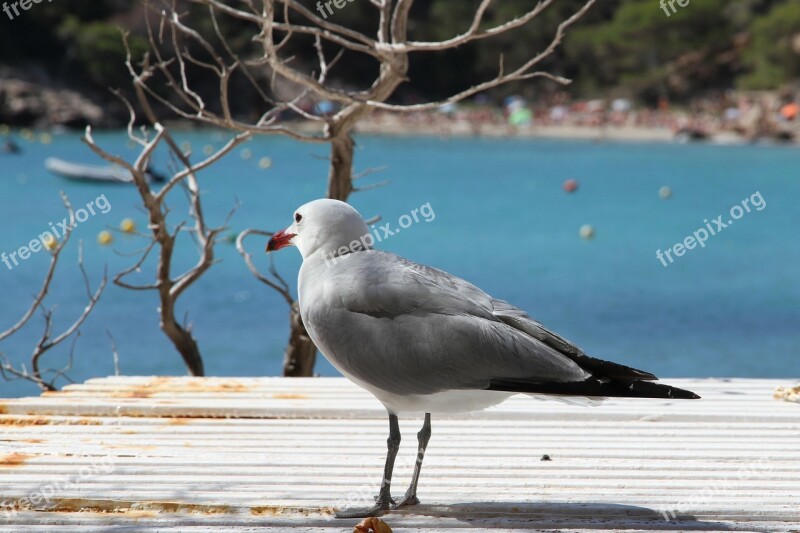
x=275, y=454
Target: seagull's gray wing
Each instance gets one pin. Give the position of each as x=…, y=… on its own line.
x=478, y=303
x=412, y=329
x=517, y=318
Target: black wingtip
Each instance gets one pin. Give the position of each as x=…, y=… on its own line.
x=684, y=394
x=649, y=389
x=599, y=387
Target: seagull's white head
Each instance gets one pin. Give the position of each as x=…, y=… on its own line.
x=324, y=226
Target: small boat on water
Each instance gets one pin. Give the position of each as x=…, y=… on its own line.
x=84, y=172
x=9, y=147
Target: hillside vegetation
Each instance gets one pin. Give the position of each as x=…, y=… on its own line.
x=625, y=48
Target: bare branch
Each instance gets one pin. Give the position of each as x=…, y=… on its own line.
x=47, y=341
x=48, y=278
x=368, y=172
x=278, y=283
x=167, y=284
x=136, y=267
x=114, y=353
x=323, y=23
x=472, y=34
x=521, y=73
x=372, y=186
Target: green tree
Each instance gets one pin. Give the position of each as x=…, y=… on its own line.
x=650, y=54
x=773, y=53
x=99, y=51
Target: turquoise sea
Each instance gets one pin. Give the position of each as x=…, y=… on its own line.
x=502, y=221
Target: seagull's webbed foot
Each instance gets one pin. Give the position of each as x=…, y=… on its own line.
x=408, y=499
x=378, y=509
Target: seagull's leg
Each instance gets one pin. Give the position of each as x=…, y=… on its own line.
x=384, y=500
x=423, y=437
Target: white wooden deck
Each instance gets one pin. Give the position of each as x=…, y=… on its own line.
x=273, y=454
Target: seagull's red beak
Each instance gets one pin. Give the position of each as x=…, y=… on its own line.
x=280, y=240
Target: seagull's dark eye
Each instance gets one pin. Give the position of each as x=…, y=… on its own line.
x=298, y=217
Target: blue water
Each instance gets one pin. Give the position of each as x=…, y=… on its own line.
x=501, y=221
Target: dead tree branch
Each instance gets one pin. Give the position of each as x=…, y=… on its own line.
x=300, y=354
x=46, y=378
x=167, y=283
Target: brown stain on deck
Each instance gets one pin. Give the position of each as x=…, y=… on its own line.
x=86, y=422
x=142, y=447
x=151, y=509
x=24, y=421
x=14, y=459
x=167, y=385
x=44, y=421
x=276, y=510
x=136, y=393
x=137, y=508
x=289, y=396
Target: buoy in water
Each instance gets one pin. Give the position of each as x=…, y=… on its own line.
x=208, y=149
x=265, y=162
x=587, y=232
x=247, y=153
x=664, y=192
x=127, y=225
x=571, y=185
x=49, y=242
x=104, y=238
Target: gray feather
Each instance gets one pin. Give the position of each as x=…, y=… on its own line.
x=411, y=329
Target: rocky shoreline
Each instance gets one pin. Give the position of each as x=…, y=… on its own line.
x=26, y=101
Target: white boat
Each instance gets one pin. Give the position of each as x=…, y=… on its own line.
x=108, y=173
x=80, y=171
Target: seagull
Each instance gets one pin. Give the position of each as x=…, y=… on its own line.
x=424, y=341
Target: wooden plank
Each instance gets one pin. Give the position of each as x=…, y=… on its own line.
x=206, y=454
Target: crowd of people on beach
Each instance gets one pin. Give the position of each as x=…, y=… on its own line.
x=736, y=116
x=749, y=116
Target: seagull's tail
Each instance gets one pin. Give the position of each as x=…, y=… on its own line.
x=595, y=387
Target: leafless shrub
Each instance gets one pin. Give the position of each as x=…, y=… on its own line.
x=46, y=378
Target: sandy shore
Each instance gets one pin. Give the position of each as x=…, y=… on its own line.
x=446, y=129
x=465, y=129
